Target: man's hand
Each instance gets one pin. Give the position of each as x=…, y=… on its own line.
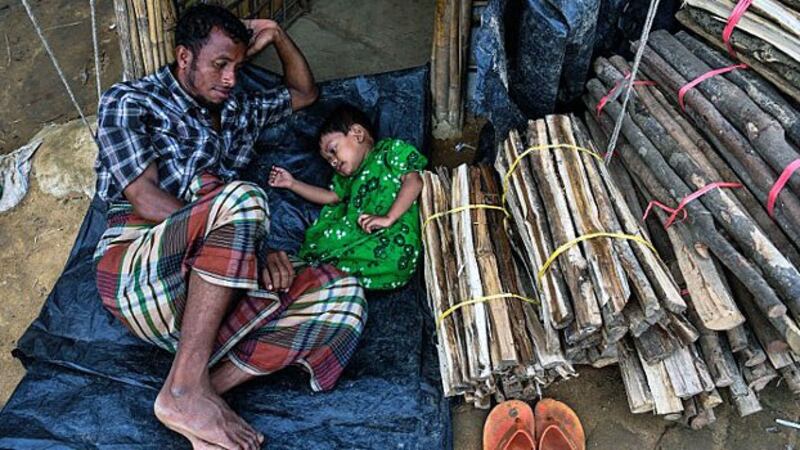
x=280, y=178
x=265, y=32
x=279, y=273
x=370, y=223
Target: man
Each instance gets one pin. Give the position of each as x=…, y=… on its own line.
x=179, y=264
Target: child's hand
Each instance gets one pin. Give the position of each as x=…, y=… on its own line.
x=280, y=178
x=370, y=223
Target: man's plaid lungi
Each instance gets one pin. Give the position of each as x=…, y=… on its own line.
x=143, y=271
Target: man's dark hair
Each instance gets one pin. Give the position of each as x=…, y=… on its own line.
x=343, y=117
x=195, y=25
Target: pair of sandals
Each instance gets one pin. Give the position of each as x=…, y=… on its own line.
x=513, y=425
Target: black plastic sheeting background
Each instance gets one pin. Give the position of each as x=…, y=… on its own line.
x=91, y=384
x=533, y=56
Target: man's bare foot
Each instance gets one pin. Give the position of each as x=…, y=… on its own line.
x=204, y=418
x=198, y=444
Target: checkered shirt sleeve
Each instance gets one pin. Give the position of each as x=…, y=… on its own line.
x=125, y=146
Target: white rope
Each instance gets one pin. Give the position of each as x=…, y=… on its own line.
x=648, y=24
x=55, y=63
x=96, y=51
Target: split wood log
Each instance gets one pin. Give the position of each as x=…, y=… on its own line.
x=504, y=354
x=755, y=25
x=665, y=402
x=608, y=277
x=507, y=271
x=791, y=375
x=737, y=338
x=531, y=217
x=637, y=390
x=586, y=308
x=776, y=348
x=663, y=285
x=475, y=316
x=682, y=372
x=759, y=376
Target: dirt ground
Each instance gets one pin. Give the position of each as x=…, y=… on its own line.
x=37, y=236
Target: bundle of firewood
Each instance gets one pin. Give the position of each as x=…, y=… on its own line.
x=766, y=37
x=612, y=299
x=491, y=344
x=711, y=172
x=571, y=244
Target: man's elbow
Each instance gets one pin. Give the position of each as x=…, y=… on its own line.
x=304, y=98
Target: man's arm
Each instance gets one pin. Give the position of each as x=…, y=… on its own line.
x=296, y=73
x=149, y=201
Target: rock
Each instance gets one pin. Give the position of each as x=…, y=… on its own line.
x=64, y=164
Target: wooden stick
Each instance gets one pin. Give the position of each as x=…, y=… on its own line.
x=475, y=318
x=764, y=133
x=610, y=283
x=657, y=166
x=640, y=399
x=760, y=90
x=500, y=324
x=588, y=319
x=701, y=152
x=733, y=147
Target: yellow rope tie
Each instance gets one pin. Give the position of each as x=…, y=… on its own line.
x=537, y=148
x=459, y=209
x=586, y=237
x=483, y=299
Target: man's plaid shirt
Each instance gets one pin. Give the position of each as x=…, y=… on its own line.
x=154, y=119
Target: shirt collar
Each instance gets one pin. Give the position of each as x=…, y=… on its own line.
x=182, y=98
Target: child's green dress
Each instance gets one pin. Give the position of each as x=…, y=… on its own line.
x=387, y=258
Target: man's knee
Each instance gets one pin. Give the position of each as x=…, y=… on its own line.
x=245, y=200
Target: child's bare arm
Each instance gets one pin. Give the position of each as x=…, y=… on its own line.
x=281, y=178
x=409, y=191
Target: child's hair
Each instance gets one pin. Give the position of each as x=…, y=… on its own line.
x=342, y=118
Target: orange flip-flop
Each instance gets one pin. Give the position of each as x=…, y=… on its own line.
x=558, y=427
x=510, y=426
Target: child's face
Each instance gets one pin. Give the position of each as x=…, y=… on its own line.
x=345, y=152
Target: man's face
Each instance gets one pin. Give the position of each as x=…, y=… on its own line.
x=210, y=75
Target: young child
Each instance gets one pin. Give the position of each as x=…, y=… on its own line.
x=369, y=225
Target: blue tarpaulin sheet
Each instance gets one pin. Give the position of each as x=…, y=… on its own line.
x=90, y=384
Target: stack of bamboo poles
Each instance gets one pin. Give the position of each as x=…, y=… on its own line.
x=739, y=265
x=449, y=57
x=146, y=35
x=146, y=28
x=767, y=37
x=494, y=349
x=283, y=11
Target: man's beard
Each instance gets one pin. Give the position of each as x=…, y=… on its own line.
x=190, y=81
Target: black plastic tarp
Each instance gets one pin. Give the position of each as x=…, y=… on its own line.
x=533, y=56
x=91, y=384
